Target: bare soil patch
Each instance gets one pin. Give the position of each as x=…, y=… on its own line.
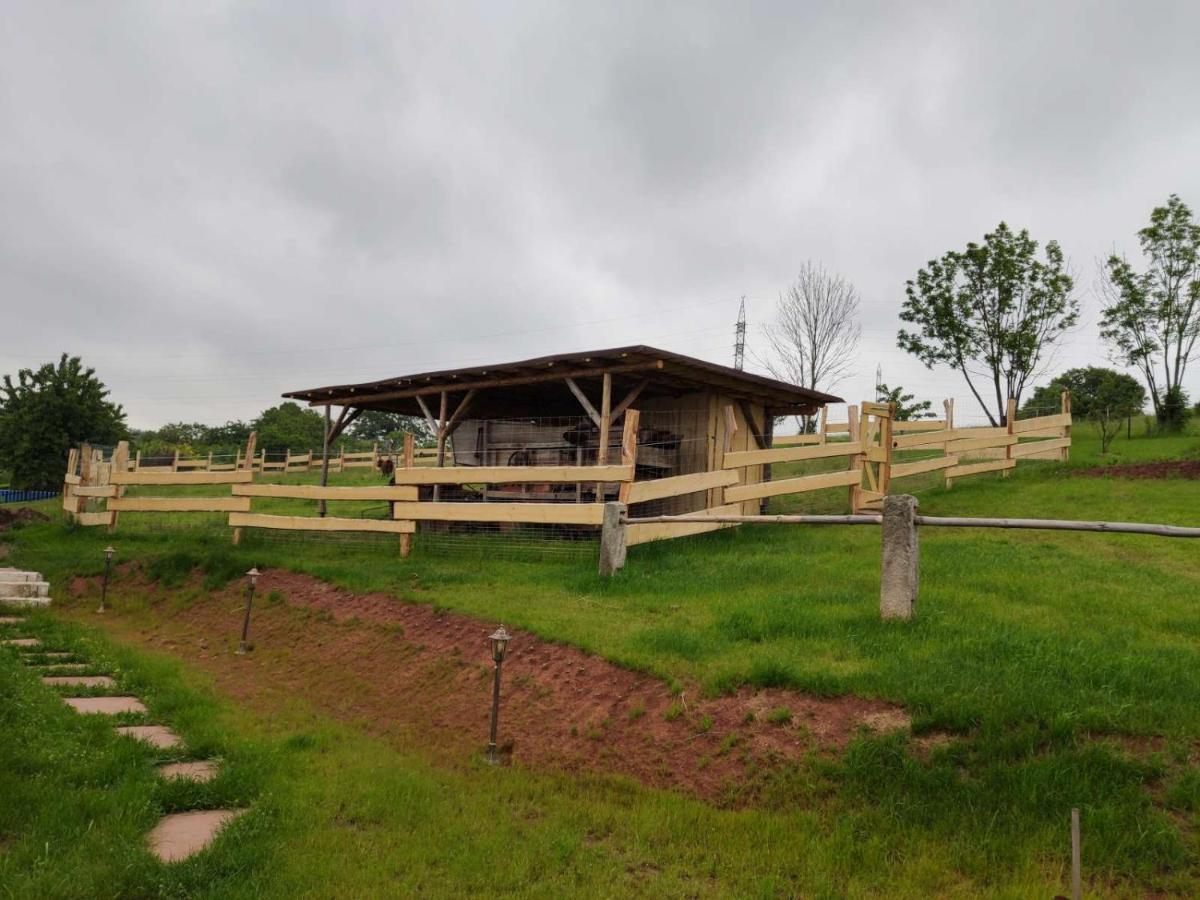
x=408, y=670
x=1179, y=468
x=14, y=518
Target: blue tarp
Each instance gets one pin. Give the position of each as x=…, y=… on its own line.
x=8, y=496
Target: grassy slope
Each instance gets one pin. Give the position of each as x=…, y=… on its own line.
x=1025, y=643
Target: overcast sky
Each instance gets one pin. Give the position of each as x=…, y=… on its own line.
x=213, y=203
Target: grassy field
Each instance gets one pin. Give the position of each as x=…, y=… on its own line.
x=1065, y=667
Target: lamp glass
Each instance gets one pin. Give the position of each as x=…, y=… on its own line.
x=499, y=639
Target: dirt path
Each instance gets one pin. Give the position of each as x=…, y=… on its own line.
x=396, y=668
x=1185, y=468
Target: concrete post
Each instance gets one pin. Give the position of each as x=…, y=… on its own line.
x=612, y=539
x=899, y=574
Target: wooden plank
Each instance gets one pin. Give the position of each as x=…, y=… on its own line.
x=72, y=478
x=1041, y=423
x=741, y=458
x=1056, y=432
x=1033, y=448
x=584, y=401
x=179, y=504
x=316, y=492
x=791, y=486
x=91, y=519
x=837, y=427
x=919, y=425
x=641, y=491
x=313, y=523
x=983, y=443
x=870, y=499
x=908, y=441
x=877, y=454
x=797, y=440
x=147, y=477
x=980, y=468
x=629, y=448
x=1048, y=454
x=514, y=474
x=879, y=410
x=533, y=513
x=661, y=531
x=900, y=470
x=107, y=490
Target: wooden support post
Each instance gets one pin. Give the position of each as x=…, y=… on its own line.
x=137, y=462
x=321, y=507
x=629, y=450
x=613, y=539
x=208, y=467
x=441, y=444
x=175, y=462
x=948, y=406
x=248, y=461
x=856, y=461
x=1010, y=420
x=899, y=573
x=1066, y=432
x=824, y=424
x=407, y=460
x=605, y=426
x=731, y=426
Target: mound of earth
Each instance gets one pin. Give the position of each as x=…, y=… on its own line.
x=1180, y=468
x=412, y=672
x=15, y=518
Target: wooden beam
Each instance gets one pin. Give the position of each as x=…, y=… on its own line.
x=629, y=452
x=748, y=413
x=641, y=534
x=584, y=401
x=633, y=394
x=429, y=419
x=179, y=504
x=678, y=485
x=316, y=492
x=741, y=492
x=741, y=458
x=550, y=374
x=533, y=513
x=311, y=523
x=513, y=474
x=731, y=426
x=456, y=418
x=605, y=420
x=148, y=477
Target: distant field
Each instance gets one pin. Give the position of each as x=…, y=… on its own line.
x=1064, y=669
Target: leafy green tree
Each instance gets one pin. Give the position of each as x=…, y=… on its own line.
x=1152, y=318
x=231, y=434
x=990, y=312
x=906, y=409
x=47, y=411
x=290, y=426
x=180, y=433
x=1104, y=396
x=374, y=425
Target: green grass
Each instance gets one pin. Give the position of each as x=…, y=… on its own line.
x=1039, y=652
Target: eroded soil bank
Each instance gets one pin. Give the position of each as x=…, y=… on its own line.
x=397, y=668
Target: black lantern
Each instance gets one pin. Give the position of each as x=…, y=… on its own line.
x=253, y=576
x=499, y=640
x=108, y=555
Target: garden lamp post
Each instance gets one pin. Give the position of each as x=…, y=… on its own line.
x=253, y=576
x=108, y=555
x=499, y=640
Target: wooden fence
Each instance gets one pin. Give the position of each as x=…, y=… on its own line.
x=287, y=461
x=871, y=447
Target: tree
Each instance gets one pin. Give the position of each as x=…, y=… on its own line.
x=1152, y=318
x=1104, y=396
x=990, y=312
x=289, y=425
x=906, y=410
x=374, y=425
x=48, y=411
x=814, y=337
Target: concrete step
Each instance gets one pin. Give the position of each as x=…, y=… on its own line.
x=155, y=735
x=23, y=603
x=26, y=589
x=198, y=770
x=10, y=575
x=108, y=706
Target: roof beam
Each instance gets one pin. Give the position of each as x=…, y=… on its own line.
x=549, y=374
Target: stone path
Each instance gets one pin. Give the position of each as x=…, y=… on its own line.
x=181, y=835
x=177, y=836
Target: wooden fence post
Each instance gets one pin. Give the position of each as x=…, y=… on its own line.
x=405, y=539
x=612, y=539
x=1066, y=408
x=1010, y=418
x=899, y=570
x=321, y=507
x=948, y=406
x=629, y=450
x=856, y=461
x=120, y=463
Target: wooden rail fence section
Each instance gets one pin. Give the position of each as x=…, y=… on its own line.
x=873, y=448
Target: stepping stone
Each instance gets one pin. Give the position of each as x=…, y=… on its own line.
x=80, y=680
x=181, y=835
x=198, y=770
x=21, y=602
x=11, y=620
x=22, y=642
x=106, y=705
x=18, y=589
x=51, y=668
x=155, y=735
x=54, y=654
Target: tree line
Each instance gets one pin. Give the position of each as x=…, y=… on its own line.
x=995, y=311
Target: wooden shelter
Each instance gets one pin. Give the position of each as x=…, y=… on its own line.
x=569, y=410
